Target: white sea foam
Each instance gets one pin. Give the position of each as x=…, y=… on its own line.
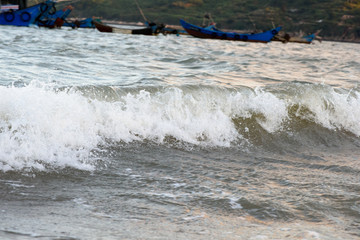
x=43, y=127
x=39, y=127
x=333, y=109
x=234, y=203
x=271, y=109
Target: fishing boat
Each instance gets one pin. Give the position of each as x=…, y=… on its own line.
x=56, y=19
x=149, y=30
x=18, y=14
x=213, y=33
x=295, y=39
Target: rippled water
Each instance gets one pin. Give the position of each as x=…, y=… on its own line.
x=111, y=136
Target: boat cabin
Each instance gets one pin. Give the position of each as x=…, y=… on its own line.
x=12, y=5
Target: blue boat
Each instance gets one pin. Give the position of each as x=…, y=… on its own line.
x=55, y=19
x=309, y=38
x=212, y=33
x=25, y=16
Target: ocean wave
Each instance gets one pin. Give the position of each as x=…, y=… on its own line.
x=43, y=126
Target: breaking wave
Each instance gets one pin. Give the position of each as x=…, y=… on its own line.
x=43, y=126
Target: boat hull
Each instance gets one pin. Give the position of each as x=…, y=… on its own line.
x=200, y=32
x=106, y=28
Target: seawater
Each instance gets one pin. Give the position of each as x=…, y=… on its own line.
x=112, y=136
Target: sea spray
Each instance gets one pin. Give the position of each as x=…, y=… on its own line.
x=40, y=127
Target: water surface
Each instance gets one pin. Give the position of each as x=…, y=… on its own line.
x=113, y=136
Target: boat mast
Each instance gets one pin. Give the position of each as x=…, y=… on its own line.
x=22, y=4
x=141, y=12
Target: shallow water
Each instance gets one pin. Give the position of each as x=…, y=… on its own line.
x=111, y=136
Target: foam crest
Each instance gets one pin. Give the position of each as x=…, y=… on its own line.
x=170, y=113
x=270, y=111
x=331, y=108
x=42, y=127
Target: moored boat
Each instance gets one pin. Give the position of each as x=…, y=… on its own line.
x=295, y=39
x=143, y=31
x=56, y=19
x=20, y=15
x=213, y=33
